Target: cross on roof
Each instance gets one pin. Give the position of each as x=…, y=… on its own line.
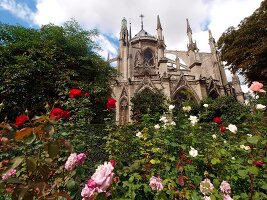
x=141, y=16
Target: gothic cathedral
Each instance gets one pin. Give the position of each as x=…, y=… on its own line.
x=143, y=64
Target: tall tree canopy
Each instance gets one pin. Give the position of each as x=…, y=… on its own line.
x=41, y=65
x=245, y=48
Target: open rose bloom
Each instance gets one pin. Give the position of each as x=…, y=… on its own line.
x=100, y=181
x=256, y=87
x=156, y=183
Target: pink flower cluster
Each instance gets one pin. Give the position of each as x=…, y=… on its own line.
x=226, y=190
x=74, y=160
x=206, y=188
x=100, y=181
x=12, y=172
x=156, y=183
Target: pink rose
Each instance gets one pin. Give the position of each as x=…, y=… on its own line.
x=206, y=187
x=71, y=162
x=156, y=183
x=81, y=158
x=225, y=187
x=256, y=87
x=91, y=183
x=103, y=176
x=10, y=173
x=88, y=193
x=227, y=197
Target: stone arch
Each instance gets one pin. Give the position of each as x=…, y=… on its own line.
x=123, y=111
x=213, y=93
x=184, y=94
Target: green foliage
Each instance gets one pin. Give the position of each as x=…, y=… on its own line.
x=165, y=152
x=148, y=102
x=245, y=48
x=42, y=65
x=226, y=107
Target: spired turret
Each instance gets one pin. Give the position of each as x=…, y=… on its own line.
x=161, y=43
x=237, y=87
x=124, y=48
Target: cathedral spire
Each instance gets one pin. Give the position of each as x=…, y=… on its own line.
x=189, y=30
x=158, y=23
x=142, y=25
x=130, y=31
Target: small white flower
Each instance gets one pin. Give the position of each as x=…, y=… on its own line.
x=193, y=152
x=233, y=158
x=242, y=146
x=205, y=105
x=171, y=107
x=157, y=126
x=260, y=107
x=214, y=136
x=186, y=108
x=247, y=103
x=247, y=148
x=224, y=141
x=232, y=128
x=173, y=123
x=163, y=119
x=249, y=135
x=193, y=120
x=139, y=134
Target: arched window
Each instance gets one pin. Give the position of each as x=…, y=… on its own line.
x=183, y=95
x=148, y=57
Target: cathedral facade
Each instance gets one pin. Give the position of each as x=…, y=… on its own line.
x=143, y=64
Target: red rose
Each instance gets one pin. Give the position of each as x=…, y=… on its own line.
x=57, y=113
x=65, y=115
x=222, y=128
x=75, y=93
x=113, y=162
x=111, y=103
x=86, y=94
x=258, y=163
x=217, y=120
x=20, y=120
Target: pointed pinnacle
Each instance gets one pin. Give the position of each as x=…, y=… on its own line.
x=158, y=23
x=189, y=30
x=210, y=34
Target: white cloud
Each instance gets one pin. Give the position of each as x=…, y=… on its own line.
x=18, y=9
x=106, y=16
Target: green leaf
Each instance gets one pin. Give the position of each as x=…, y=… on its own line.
x=253, y=139
x=30, y=139
x=264, y=186
x=153, y=162
x=70, y=184
x=31, y=164
x=101, y=196
x=253, y=170
x=53, y=149
x=242, y=173
x=214, y=161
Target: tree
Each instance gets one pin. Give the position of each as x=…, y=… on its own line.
x=245, y=48
x=39, y=66
x=148, y=102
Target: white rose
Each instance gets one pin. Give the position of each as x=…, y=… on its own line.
x=247, y=148
x=214, y=136
x=205, y=105
x=249, y=135
x=173, y=123
x=186, y=108
x=193, y=119
x=193, y=152
x=139, y=134
x=260, y=107
x=171, y=107
x=162, y=119
x=157, y=126
x=232, y=128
